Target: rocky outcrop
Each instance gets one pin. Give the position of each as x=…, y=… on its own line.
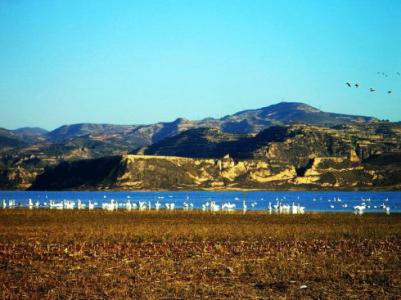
x=18, y=178
x=143, y=172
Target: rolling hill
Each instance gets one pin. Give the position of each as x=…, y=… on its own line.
x=286, y=135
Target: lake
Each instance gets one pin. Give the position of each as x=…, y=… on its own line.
x=312, y=201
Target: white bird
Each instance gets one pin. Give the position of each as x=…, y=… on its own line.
x=142, y=205
x=68, y=204
x=244, y=206
x=359, y=209
x=110, y=206
x=11, y=203
x=128, y=205
x=170, y=206
x=387, y=209
x=80, y=205
x=30, y=203
x=54, y=205
x=228, y=206
x=214, y=207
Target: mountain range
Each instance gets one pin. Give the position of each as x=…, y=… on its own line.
x=248, y=121
x=288, y=133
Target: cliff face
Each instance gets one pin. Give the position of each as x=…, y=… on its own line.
x=166, y=172
x=142, y=172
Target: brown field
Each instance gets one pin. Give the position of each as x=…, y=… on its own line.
x=186, y=255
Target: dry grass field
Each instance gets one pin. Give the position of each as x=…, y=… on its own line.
x=187, y=255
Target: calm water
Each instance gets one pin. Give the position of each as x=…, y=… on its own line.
x=312, y=201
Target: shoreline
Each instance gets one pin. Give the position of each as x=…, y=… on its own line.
x=363, y=189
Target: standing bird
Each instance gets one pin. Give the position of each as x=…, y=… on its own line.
x=349, y=84
x=372, y=90
x=389, y=92
x=356, y=85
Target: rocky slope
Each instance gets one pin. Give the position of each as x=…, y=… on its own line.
x=262, y=136
x=350, y=151
x=285, y=113
x=135, y=136
x=249, y=121
x=357, y=156
x=141, y=172
x=295, y=144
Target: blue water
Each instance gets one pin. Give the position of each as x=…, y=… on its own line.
x=312, y=201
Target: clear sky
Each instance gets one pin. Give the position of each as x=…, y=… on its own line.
x=129, y=62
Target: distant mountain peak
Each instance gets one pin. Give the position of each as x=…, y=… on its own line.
x=31, y=130
x=180, y=120
x=293, y=106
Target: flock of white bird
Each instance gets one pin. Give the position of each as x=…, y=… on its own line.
x=360, y=209
x=279, y=207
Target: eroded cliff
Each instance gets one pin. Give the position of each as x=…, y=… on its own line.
x=143, y=172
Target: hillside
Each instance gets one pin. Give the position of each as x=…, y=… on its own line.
x=272, y=134
x=31, y=131
x=295, y=144
x=249, y=121
x=141, y=172
x=357, y=156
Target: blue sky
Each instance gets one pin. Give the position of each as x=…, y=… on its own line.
x=129, y=62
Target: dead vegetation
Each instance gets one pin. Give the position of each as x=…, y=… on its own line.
x=186, y=255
